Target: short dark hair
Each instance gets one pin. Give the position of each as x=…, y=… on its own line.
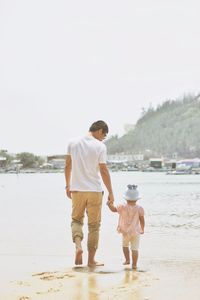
x=99, y=125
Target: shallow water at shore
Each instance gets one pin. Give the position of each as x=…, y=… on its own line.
x=35, y=214
x=35, y=218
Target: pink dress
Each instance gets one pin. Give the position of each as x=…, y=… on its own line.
x=129, y=223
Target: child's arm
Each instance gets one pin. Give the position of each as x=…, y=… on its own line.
x=111, y=206
x=142, y=223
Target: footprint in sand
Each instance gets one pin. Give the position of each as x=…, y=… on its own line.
x=48, y=291
x=44, y=273
x=52, y=275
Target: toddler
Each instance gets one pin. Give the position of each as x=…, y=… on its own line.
x=131, y=223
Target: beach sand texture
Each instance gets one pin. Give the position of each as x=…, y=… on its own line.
x=37, y=253
x=161, y=280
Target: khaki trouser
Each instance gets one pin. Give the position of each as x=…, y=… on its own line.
x=92, y=203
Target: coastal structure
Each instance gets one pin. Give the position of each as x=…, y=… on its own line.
x=124, y=158
x=57, y=161
x=186, y=164
x=156, y=163
x=2, y=162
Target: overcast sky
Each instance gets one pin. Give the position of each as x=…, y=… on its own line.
x=65, y=64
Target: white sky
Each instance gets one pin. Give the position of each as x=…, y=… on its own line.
x=65, y=64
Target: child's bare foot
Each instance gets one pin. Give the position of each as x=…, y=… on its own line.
x=95, y=264
x=127, y=262
x=134, y=267
x=78, y=257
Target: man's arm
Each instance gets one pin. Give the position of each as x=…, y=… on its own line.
x=106, y=180
x=68, y=167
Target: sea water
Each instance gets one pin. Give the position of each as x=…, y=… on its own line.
x=35, y=219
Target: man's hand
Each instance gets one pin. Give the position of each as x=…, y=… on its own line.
x=68, y=167
x=109, y=203
x=110, y=198
x=111, y=206
x=68, y=192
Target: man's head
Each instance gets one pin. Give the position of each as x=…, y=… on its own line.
x=99, y=130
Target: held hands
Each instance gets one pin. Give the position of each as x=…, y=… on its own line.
x=109, y=203
x=111, y=206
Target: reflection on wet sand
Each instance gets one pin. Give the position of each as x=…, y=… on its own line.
x=93, y=288
x=78, y=288
x=83, y=283
x=85, y=287
x=131, y=285
x=130, y=277
x=103, y=284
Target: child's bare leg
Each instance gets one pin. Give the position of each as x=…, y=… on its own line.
x=134, y=259
x=79, y=251
x=126, y=255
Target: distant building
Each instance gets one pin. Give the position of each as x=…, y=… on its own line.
x=123, y=158
x=61, y=156
x=138, y=157
x=156, y=163
x=170, y=164
x=185, y=164
x=57, y=161
x=2, y=162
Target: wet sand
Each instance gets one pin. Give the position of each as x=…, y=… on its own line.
x=156, y=280
x=37, y=253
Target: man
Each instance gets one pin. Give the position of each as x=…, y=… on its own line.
x=85, y=166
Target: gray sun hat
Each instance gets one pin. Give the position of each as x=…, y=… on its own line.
x=131, y=193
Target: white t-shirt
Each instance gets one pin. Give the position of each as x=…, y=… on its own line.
x=86, y=155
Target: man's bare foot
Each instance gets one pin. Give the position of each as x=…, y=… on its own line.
x=126, y=262
x=95, y=264
x=78, y=257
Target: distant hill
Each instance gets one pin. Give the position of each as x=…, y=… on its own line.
x=172, y=128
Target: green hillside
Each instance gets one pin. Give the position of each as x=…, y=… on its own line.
x=172, y=128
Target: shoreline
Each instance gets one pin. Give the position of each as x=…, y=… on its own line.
x=35, y=218
x=155, y=279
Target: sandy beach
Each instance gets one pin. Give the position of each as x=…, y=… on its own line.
x=155, y=280
x=37, y=253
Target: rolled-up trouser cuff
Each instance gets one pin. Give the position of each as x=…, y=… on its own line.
x=76, y=230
